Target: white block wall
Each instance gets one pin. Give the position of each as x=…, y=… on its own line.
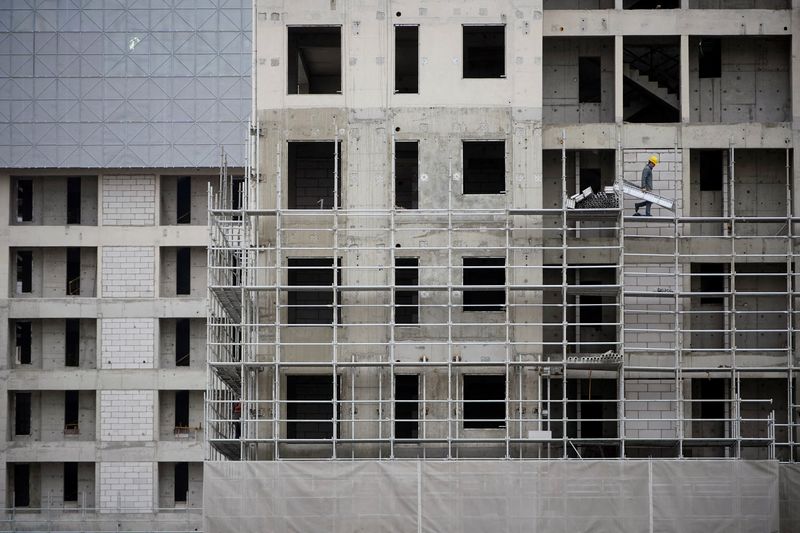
x=127, y=343
x=127, y=485
x=127, y=415
x=129, y=200
x=650, y=320
x=650, y=419
x=128, y=271
x=667, y=181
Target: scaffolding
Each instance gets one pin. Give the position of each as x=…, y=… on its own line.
x=606, y=338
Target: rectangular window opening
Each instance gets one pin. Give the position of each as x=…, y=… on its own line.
x=24, y=271
x=237, y=192
x=184, y=200
x=406, y=301
x=183, y=271
x=406, y=59
x=711, y=168
x=73, y=271
x=484, y=401
x=406, y=174
x=484, y=271
x=484, y=51
x=315, y=60
x=484, y=167
x=71, y=409
x=22, y=485
x=72, y=339
x=70, y=482
x=406, y=408
x=22, y=331
x=312, y=302
x=651, y=4
x=710, y=279
x=591, y=309
x=182, y=409
x=181, y=482
x=22, y=413
x=591, y=177
x=74, y=200
x=182, y=342
x=312, y=416
x=589, y=80
x=24, y=200
x=710, y=58
x=312, y=174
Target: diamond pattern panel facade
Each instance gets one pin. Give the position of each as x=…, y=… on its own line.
x=123, y=83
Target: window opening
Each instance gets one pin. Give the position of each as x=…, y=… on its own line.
x=23, y=342
x=484, y=51
x=406, y=59
x=182, y=342
x=315, y=60
x=183, y=271
x=406, y=174
x=589, y=80
x=407, y=300
x=485, y=271
x=73, y=200
x=484, y=167
x=484, y=401
x=184, y=200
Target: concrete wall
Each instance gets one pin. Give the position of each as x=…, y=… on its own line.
x=197, y=343
x=560, y=102
x=166, y=417
x=168, y=191
x=166, y=486
x=754, y=86
x=168, y=271
x=50, y=200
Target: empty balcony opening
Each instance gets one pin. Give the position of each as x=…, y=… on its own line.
x=651, y=75
x=484, y=167
x=22, y=485
x=594, y=415
x=406, y=407
x=484, y=401
x=71, y=409
x=22, y=413
x=73, y=200
x=309, y=408
x=589, y=84
x=182, y=342
x=22, y=332
x=711, y=170
x=406, y=301
x=73, y=272
x=71, y=482
x=24, y=271
x=72, y=342
x=486, y=272
x=183, y=271
x=181, y=482
x=313, y=169
x=406, y=59
x=24, y=200
x=315, y=60
x=709, y=279
x=312, y=301
x=183, y=204
x=710, y=57
x=181, y=409
x=651, y=4
x=484, y=51
x=406, y=174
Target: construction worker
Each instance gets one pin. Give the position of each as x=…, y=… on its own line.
x=647, y=185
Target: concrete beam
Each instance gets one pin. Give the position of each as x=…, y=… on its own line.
x=78, y=307
x=108, y=236
x=140, y=379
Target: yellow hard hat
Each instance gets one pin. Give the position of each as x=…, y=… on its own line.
x=653, y=159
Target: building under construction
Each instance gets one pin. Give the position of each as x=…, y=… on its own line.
x=432, y=307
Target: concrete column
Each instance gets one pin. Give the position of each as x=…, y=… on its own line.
x=618, y=81
x=684, y=73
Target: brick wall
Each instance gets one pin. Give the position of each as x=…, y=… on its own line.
x=667, y=181
x=126, y=415
x=650, y=320
x=128, y=485
x=127, y=343
x=129, y=200
x=650, y=419
x=128, y=271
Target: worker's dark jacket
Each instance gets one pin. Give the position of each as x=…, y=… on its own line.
x=647, y=177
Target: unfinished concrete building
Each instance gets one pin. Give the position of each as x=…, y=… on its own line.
x=411, y=325
x=112, y=119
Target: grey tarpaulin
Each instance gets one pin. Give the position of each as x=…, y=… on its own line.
x=492, y=496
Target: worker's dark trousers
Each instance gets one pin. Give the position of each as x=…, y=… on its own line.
x=646, y=206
